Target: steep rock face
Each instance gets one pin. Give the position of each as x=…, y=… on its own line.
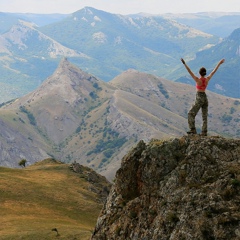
x=183, y=188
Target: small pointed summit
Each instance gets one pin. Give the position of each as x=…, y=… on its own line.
x=64, y=63
x=67, y=71
x=64, y=60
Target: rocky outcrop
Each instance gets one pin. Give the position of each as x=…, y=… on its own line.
x=183, y=188
x=97, y=183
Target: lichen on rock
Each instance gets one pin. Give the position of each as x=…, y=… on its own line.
x=182, y=188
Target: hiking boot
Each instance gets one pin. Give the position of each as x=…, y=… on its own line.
x=203, y=134
x=192, y=131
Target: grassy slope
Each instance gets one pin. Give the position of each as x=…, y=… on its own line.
x=36, y=199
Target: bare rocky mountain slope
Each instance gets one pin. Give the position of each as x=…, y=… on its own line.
x=73, y=116
x=182, y=188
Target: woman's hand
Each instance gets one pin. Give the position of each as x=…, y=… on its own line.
x=222, y=61
x=183, y=61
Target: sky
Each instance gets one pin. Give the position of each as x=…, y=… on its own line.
x=120, y=6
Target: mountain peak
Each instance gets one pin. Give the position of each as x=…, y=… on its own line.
x=182, y=188
x=88, y=11
x=68, y=82
x=71, y=72
x=64, y=64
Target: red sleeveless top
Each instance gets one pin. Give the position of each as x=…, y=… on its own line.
x=204, y=84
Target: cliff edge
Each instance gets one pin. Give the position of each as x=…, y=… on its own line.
x=183, y=188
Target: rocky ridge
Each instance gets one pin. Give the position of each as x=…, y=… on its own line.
x=182, y=188
x=98, y=184
x=75, y=116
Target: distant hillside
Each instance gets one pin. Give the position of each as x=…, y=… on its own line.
x=75, y=116
x=40, y=19
x=98, y=42
x=27, y=58
x=120, y=42
x=180, y=188
x=7, y=21
x=220, y=24
x=50, y=195
x=105, y=45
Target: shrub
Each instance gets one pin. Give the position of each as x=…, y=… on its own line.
x=163, y=90
x=78, y=130
x=108, y=153
x=95, y=85
x=236, y=102
x=226, y=118
x=30, y=116
x=172, y=217
x=93, y=95
x=232, y=110
x=22, y=163
x=132, y=214
x=235, y=182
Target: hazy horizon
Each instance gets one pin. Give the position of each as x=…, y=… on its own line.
x=119, y=7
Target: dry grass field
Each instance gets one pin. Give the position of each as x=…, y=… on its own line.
x=36, y=199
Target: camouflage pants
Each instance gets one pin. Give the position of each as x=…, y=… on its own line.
x=200, y=102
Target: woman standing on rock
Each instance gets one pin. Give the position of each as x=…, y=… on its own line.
x=201, y=97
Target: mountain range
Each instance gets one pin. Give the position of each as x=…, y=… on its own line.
x=105, y=45
x=153, y=44
x=92, y=88
x=221, y=24
x=74, y=116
